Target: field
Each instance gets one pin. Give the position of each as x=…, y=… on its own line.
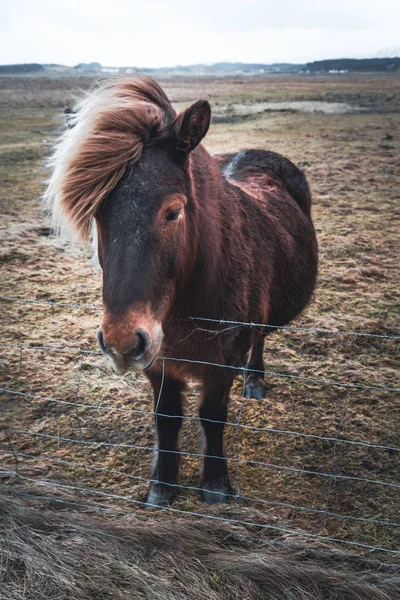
x=351, y=158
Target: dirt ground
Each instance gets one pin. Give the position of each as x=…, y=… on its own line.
x=352, y=162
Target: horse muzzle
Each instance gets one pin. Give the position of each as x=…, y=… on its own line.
x=134, y=352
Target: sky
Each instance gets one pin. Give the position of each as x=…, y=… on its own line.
x=151, y=33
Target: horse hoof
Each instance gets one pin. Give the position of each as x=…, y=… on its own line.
x=254, y=390
x=216, y=495
x=159, y=496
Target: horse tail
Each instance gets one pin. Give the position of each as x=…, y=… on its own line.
x=296, y=184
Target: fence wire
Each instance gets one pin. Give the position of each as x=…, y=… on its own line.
x=209, y=320
x=22, y=457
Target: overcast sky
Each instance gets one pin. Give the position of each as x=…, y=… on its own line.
x=152, y=33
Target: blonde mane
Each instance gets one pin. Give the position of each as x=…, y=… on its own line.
x=107, y=132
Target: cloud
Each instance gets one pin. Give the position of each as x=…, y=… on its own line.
x=166, y=33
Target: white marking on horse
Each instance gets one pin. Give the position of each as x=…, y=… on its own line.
x=229, y=168
x=95, y=247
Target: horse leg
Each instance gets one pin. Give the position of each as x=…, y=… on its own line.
x=168, y=402
x=254, y=381
x=213, y=412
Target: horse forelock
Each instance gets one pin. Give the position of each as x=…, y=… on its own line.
x=108, y=131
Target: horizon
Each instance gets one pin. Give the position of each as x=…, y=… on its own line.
x=203, y=64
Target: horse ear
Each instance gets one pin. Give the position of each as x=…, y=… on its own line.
x=69, y=117
x=191, y=125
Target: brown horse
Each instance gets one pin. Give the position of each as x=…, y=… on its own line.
x=183, y=234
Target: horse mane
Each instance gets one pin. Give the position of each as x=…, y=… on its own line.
x=107, y=131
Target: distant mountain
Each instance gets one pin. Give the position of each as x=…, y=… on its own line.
x=93, y=66
x=354, y=65
x=226, y=68
x=23, y=68
x=340, y=65
x=222, y=68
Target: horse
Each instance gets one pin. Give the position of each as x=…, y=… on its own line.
x=182, y=236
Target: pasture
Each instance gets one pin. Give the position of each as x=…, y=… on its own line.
x=351, y=159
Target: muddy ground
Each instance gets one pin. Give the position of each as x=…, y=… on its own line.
x=352, y=162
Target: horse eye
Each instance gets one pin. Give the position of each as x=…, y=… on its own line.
x=172, y=216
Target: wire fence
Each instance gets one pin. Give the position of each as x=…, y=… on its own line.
x=23, y=447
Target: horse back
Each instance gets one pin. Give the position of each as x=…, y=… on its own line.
x=263, y=169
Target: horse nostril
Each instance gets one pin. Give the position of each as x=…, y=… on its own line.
x=100, y=341
x=136, y=350
x=142, y=345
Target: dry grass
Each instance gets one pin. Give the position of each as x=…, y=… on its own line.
x=352, y=162
x=53, y=551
